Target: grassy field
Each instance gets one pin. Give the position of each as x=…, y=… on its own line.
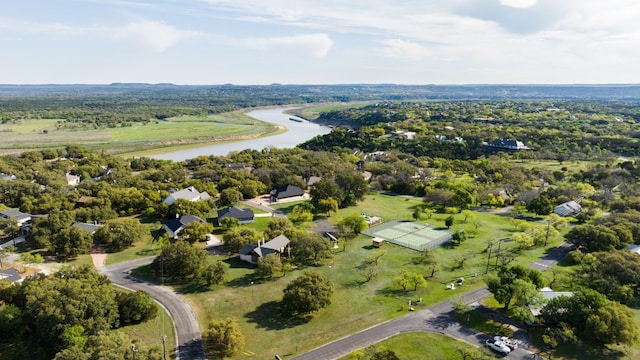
x=151, y=332
x=424, y=345
x=172, y=133
x=356, y=304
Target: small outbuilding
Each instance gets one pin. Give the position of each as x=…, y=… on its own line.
x=377, y=242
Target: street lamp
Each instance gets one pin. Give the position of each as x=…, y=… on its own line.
x=134, y=351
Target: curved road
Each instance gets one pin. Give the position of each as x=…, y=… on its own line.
x=185, y=321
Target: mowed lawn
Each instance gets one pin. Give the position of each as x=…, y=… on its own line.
x=425, y=345
x=356, y=304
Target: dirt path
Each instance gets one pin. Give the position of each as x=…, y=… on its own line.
x=99, y=256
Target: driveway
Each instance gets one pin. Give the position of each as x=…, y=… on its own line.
x=185, y=321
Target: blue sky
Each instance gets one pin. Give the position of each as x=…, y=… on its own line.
x=320, y=41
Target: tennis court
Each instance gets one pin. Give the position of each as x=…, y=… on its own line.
x=410, y=234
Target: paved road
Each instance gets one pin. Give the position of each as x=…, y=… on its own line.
x=185, y=321
x=552, y=257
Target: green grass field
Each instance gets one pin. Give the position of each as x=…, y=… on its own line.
x=424, y=345
x=356, y=304
x=173, y=132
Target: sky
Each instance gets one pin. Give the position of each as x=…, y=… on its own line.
x=320, y=41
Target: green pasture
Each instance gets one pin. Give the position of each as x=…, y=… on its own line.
x=147, y=246
x=356, y=304
x=151, y=332
x=175, y=132
x=425, y=345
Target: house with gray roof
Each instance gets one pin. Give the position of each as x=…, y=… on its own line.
x=23, y=219
x=286, y=192
x=174, y=226
x=570, y=208
x=11, y=275
x=506, y=144
x=251, y=253
x=244, y=215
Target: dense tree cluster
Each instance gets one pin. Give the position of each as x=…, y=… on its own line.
x=66, y=312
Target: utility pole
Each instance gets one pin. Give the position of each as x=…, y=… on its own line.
x=489, y=257
x=164, y=347
x=134, y=351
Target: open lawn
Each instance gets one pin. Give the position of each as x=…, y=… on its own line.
x=147, y=246
x=425, y=345
x=356, y=304
x=151, y=332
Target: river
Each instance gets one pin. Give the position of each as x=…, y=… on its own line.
x=297, y=133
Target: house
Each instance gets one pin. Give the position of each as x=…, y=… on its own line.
x=312, y=180
x=11, y=275
x=286, y=192
x=174, y=226
x=403, y=134
x=548, y=294
x=570, y=208
x=233, y=166
x=634, y=248
x=88, y=227
x=23, y=219
x=9, y=177
x=506, y=144
x=244, y=215
x=189, y=194
x=72, y=180
x=84, y=200
x=251, y=253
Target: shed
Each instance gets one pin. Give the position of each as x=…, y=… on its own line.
x=377, y=242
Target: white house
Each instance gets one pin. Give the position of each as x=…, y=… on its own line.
x=72, y=180
x=189, y=194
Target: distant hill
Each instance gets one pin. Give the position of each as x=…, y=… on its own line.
x=282, y=93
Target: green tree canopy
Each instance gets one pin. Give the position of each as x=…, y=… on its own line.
x=309, y=292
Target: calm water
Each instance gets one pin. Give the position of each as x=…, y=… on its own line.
x=298, y=132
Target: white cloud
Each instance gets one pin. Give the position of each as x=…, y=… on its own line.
x=152, y=35
x=521, y=4
x=403, y=50
x=315, y=45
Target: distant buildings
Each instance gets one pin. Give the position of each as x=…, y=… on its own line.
x=506, y=144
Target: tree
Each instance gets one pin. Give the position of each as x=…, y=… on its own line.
x=612, y=324
x=4, y=254
x=353, y=186
x=71, y=242
x=278, y=226
x=196, y=231
x=448, y=222
x=327, y=206
x=229, y=222
x=136, y=307
x=223, y=338
x=353, y=224
x=325, y=189
x=215, y=273
x=72, y=296
x=119, y=234
x=310, y=246
x=300, y=214
x=229, y=197
x=269, y=265
x=310, y=292
x=590, y=238
x=540, y=205
x=235, y=238
x=385, y=355
x=180, y=261
x=408, y=279
x=504, y=286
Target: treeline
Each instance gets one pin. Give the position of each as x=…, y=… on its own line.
x=457, y=129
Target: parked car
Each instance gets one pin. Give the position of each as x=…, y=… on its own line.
x=498, y=346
